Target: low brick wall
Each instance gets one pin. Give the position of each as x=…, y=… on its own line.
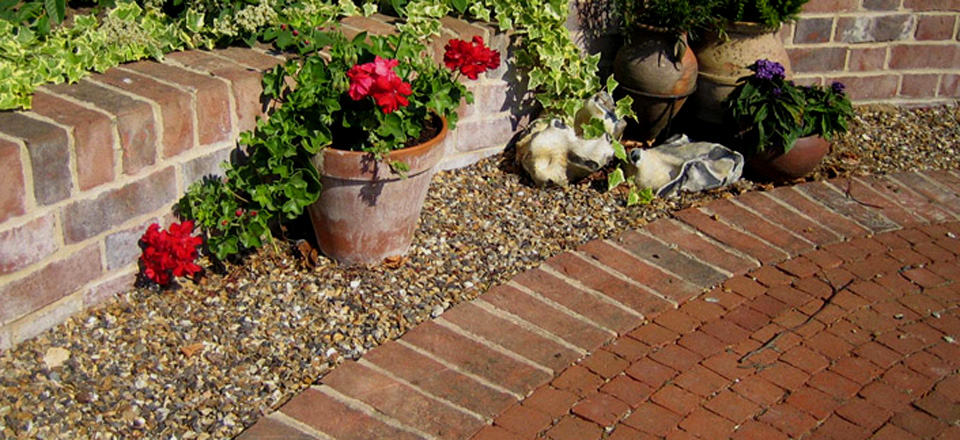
x=904, y=52
x=94, y=163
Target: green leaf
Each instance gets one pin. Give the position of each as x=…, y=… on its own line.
x=632, y=197
x=615, y=178
x=618, y=151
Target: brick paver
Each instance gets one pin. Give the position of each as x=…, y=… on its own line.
x=846, y=329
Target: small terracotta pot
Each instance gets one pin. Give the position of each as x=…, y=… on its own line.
x=366, y=212
x=806, y=154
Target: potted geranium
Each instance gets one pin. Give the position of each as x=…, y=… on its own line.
x=746, y=30
x=783, y=129
x=655, y=65
x=356, y=137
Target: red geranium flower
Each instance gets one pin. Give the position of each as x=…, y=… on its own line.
x=377, y=79
x=169, y=253
x=471, y=59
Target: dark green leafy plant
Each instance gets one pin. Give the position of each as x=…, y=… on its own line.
x=679, y=16
x=770, y=13
x=770, y=112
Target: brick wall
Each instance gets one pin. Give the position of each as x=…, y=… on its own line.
x=94, y=163
x=904, y=52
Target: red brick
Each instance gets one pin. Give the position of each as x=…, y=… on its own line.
x=847, y=300
x=943, y=197
x=866, y=59
x=629, y=348
x=677, y=321
x=530, y=345
x=754, y=430
x=13, y=200
x=49, y=283
x=597, y=279
x=676, y=357
x=908, y=199
x=27, y=244
x=928, y=365
x=768, y=305
x=604, y=363
x=523, y=421
x=577, y=380
x=918, y=423
x=211, y=98
x=834, y=384
x=630, y=391
x=836, y=428
x=726, y=331
x=701, y=381
x=93, y=137
x=690, y=242
x=932, y=5
x=919, y=85
x=653, y=419
x=651, y=277
x=48, y=148
x=175, y=107
x=328, y=415
x=747, y=318
x=528, y=308
x=653, y=334
x=705, y=424
x=573, y=428
x=268, y=427
x=870, y=86
x=758, y=390
x=798, y=224
x=815, y=402
x=885, y=396
x=941, y=406
x=135, y=122
x=881, y=5
x=400, y=402
x=624, y=432
x=731, y=237
x=800, y=267
x=86, y=218
x=831, y=6
x=788, y=419
x=726, y=364
x=813, y=30
x=901, y=342
x=943, y=56
x=836, y=200
x=865, y=193
x=656, y=253
x=891, y=432
x=551, y=401
x=864, y=414
x=249, y=58
x=588, y=305
x=907, y=380
x=817, y=59
x=652, y=373
x=601, y=408
x=748, y=287
x=475, y=358
x=846, y=251
x=732, y=406
x=877, y=353
x=764, y=228
x=701, y=344
x=785, y=376
x=491, y=432
x=702, y=310
x=675, y=399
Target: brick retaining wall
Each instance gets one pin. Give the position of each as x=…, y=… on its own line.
x=904, y=52
x=94, y=163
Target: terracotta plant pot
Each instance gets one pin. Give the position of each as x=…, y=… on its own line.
x=723, y=60
x=659, y=72
x=366, y=212
x=771, y=165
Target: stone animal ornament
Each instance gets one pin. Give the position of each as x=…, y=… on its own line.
x=554, y=154
x=680, y=164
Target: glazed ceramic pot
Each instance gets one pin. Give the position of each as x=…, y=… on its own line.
x=366, y=211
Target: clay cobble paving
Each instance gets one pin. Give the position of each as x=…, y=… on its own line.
x=746, y=329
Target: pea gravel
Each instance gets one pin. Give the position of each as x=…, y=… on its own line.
x=208, y=359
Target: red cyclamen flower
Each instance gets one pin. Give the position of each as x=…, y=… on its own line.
x=471, y=59
x=377, y=79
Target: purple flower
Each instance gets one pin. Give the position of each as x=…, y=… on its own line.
x=768, y=70
x=837, y=87
x=776, y=91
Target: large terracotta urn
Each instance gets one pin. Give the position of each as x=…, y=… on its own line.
x=774, y=165
x=723, y=58
x=367, y=212
x=658, y=69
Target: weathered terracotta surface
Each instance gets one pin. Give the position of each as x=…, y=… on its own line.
x=366, y=211
x=805, y=155
x=723, y=60
x=659, y=72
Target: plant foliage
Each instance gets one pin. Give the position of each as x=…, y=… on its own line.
x=678, y=16
x=771, y=13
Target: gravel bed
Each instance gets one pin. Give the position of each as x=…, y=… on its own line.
x=208, y=359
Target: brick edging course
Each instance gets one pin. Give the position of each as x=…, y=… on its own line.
x=92, y=164
x=517, y=341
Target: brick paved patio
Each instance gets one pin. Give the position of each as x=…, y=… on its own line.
x=823, y=310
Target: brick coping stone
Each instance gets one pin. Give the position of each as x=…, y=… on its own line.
x=820, y=310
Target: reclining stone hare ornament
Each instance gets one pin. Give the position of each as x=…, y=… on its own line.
x=555, y=154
